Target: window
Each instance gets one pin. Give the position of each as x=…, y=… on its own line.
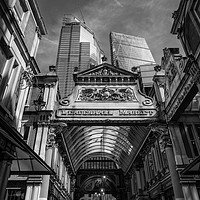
x=2, y=59
x=26, y=132
x=15, y=194
x=5, y=54
x=30, y=32
x=195, y=9
x=11, y=93
x=191, y=139
x=20, y=8
x=191, y=33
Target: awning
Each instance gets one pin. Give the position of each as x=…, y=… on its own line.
x=193, y=168
x=26, y=161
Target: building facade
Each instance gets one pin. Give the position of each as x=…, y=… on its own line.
x=78, y=50
x=171, y=159
x=21, y=29
x=132, y=53
x=107, y=140
x=39, y=134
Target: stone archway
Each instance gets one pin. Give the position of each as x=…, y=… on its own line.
x=106, y=122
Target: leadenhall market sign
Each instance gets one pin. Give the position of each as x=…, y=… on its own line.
x=106, y=102
x=106, y=113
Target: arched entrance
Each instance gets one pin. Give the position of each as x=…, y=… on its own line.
x=103, y=124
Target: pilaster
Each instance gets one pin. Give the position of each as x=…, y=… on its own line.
x=33, y=187
x=190, y=190
x=48, y=158
x=178, y=193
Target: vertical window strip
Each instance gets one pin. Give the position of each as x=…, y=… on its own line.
x=191, y=138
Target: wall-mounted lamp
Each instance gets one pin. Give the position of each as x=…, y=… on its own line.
x=39, y=103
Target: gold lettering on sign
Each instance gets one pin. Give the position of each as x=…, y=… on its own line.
x=136, y=112
x=86, y=112
x=106, y=113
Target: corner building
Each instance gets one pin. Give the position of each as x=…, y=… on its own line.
x=78, y=50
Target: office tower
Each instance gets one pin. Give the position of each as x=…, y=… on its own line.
x=78, y=50
x=130, y=52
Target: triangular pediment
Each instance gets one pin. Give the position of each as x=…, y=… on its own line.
x=104, y=69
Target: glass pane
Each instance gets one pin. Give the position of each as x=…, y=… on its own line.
x=197, y=126
x=192, y=139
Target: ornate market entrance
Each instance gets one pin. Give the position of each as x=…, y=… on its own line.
x=102, y=126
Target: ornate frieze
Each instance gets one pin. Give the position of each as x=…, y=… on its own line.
x=104, y=72
x=180, y=98
x=106, y=94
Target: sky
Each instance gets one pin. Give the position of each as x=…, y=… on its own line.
x=151, y=19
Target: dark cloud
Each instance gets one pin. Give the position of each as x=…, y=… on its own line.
x=151, y=19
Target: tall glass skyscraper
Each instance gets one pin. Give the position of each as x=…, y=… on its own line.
x=129, y=52
x=78, y=50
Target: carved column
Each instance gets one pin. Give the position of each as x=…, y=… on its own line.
x=162, y=195
x=33, y=187
x=138, y=178
x=178, y=193
x=190, y=190
x=48, y=157
x=72, y=185
x=163, y=131
x=128, y=185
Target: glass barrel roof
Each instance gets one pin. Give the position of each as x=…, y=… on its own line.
x=117, y=143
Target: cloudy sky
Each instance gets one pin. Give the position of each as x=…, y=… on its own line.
x=151, y=19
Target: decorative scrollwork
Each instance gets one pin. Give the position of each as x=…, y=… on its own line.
x=162, y=129
x=26, y=79
x=147, y=102
x=159, y=128
x=51, y=138
x=64, y=102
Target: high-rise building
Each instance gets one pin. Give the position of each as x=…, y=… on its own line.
x=130, y=52
x=78, y=50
